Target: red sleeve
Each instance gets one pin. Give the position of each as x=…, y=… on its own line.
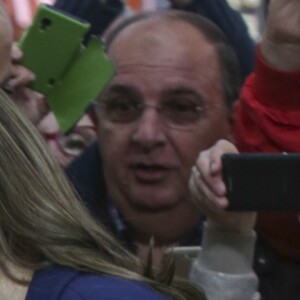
x=267, y=117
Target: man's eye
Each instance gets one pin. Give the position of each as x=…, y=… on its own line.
x=120, y=105
x=181, y=106
x=122, y=110
x=181, y=111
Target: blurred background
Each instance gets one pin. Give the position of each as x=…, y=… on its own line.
x=253, y=11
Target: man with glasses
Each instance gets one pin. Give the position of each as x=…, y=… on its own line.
x=171, y=97
x=165, y=104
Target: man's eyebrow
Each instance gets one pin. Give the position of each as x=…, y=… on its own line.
x=121, y=88
x=183, y=90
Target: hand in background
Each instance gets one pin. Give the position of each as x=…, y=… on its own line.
x=280, y=46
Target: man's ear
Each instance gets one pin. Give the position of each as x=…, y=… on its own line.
x=231, y=120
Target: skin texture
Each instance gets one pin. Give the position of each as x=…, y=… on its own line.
x=147, y=164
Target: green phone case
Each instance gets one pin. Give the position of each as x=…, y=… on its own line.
x=70, y=74
x=50, y=45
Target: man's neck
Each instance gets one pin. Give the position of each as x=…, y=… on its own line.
x=166, y=227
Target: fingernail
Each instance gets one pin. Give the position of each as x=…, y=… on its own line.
x=222, y=202
x=213, y=167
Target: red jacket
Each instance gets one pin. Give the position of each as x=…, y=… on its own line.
x=267, y=119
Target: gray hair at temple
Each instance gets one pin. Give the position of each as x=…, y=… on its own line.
x=229, y=66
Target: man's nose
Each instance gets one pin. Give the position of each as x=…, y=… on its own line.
x=149, y=131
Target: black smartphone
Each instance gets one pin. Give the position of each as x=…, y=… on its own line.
x=262, y=182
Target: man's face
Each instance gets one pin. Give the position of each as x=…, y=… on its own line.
x=147, y=160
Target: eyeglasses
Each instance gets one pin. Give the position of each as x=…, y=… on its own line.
x=75, y=142
x=175, y=113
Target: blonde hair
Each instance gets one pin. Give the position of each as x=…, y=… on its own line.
x=41, y=220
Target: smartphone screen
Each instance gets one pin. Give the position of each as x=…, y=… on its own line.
x=262, y=182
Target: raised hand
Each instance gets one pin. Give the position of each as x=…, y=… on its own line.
x=280, y=46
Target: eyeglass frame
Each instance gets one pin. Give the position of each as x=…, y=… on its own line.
x=143, y=106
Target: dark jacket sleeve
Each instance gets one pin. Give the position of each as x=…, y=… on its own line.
x=99, y=15
x=232, y=24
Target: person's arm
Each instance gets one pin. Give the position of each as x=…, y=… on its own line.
x=268, y=113
x=224, y=265
x=230, y=22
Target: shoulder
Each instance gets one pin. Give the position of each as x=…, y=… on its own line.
x=88, y=286
x=59, y=283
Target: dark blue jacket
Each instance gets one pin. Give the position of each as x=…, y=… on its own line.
x=60, y=283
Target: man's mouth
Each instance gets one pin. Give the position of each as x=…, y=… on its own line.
x=150, y=173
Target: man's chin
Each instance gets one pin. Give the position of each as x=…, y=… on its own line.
x=154, y=201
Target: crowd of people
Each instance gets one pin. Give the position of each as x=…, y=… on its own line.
x=141, y=171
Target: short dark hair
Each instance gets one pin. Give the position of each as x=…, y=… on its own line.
x=229, y=66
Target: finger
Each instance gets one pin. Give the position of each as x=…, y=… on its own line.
x=221, y=147
x=203, y=196
x=213, y=180
x=215, y=157
x=20, y=76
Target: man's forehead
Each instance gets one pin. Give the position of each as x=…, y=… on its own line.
x=159, y=41
x=155, y=30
